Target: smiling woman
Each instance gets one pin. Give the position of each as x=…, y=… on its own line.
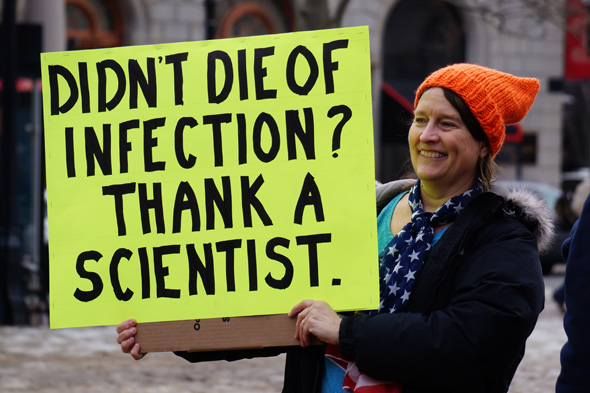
x=457, y=260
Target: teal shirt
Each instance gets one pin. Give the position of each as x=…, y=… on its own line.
x=333, y=375
x=384, y=234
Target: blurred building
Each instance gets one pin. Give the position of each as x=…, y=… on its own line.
x=409, y=39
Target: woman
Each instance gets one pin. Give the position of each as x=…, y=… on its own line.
x=461, y=289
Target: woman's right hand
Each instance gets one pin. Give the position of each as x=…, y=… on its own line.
x=126, y=339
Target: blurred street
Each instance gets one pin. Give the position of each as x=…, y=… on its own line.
x=88, y=360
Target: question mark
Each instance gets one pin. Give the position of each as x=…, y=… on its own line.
x=346, y=115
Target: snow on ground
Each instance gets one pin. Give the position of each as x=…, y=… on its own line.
x=88, y=360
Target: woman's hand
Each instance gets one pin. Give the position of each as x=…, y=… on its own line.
x=316, y=318
x=126, y=339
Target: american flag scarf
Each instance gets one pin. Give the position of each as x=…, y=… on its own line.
x=402, y=259
x=399, y=264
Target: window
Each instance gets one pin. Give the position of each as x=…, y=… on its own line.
x=256, y=17
x=93, y=24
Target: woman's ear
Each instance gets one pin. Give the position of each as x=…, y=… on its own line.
x=483, y=151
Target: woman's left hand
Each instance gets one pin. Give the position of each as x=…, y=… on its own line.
x=316, y=317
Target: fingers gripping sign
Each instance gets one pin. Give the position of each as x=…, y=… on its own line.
x=316, y=318
x=126, y=338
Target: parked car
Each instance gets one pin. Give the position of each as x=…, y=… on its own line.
x=554, y=198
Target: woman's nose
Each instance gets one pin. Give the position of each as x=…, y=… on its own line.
x=429, y=133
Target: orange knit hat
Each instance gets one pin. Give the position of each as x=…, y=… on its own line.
x=495, y=98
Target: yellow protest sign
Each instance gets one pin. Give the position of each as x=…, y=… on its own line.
x=210, y=179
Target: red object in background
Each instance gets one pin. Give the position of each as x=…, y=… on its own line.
x=24, y=85
x=514, y=133
x=577, y=44
x=397, y=96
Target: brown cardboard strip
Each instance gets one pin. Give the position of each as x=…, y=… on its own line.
x=199, y=335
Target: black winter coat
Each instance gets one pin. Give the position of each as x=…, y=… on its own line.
x=472, y=308
x=575, y=354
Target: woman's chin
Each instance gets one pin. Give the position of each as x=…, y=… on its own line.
x=429, y=175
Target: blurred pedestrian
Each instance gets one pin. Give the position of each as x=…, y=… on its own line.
x=461, y=286
x=581, y=192
x=567, y=215
x=575, y=354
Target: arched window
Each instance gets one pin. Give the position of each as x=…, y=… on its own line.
x=93, y=24
x=421, y=36
x=254, y=17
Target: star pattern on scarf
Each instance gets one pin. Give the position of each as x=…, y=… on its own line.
x=402, y=259
x=414, y=255
x=410, y=275
x=393, y=288
x=392, y=250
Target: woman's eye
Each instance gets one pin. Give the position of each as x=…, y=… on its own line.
x=419, y=120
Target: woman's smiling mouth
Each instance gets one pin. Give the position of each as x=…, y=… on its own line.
x=431, y=154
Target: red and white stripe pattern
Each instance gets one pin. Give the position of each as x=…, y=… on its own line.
x=357, y=382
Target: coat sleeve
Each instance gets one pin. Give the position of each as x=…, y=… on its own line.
x=491, y=306
x=575, y=359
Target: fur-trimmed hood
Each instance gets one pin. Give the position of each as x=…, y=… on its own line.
x=523, y=203
x=534, y=212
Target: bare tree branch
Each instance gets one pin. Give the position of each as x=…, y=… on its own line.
x=314, y=14
x=526, y=18
x=336, y=20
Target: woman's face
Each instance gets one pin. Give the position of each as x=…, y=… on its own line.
x=442, y=149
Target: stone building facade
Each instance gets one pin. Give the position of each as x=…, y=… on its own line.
x=531, y=48
x=409, y=39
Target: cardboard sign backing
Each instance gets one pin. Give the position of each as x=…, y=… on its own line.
x=199, y=335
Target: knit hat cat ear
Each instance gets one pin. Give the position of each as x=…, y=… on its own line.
x=495, y=98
